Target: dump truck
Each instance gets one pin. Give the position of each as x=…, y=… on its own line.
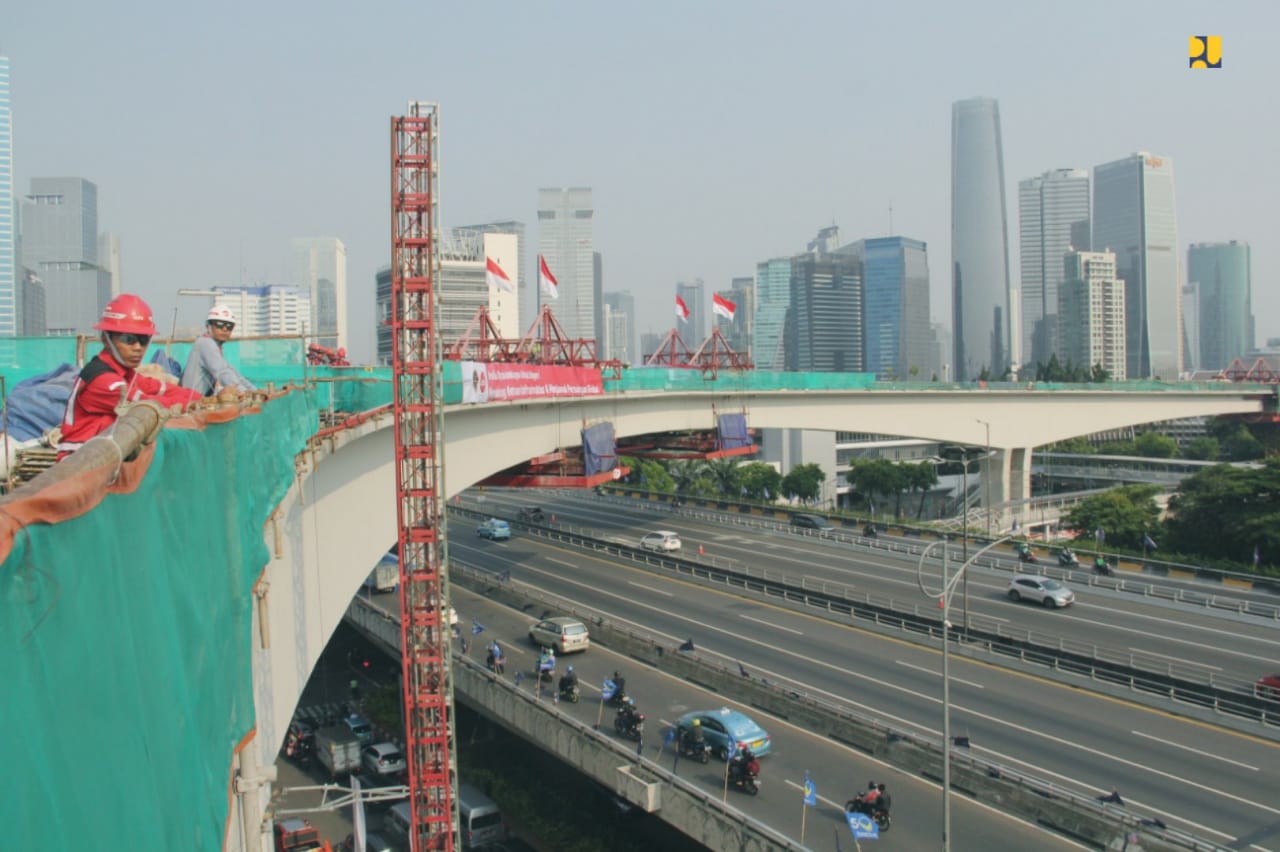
x=338, y=750
x=297, y=835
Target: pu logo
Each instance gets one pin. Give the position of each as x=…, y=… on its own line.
x=1205, y=51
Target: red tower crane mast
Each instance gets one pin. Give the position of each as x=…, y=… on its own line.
x=424, y=581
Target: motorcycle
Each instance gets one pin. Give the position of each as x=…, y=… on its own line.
x=744, y=775
x=1026, y=554
x=1102, y=567
x=869, y=531
x=858, y=805
x=1067, y=558
x=629, y=725
x=699, y=750
x=570, y=692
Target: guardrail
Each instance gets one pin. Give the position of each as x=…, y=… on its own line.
x=1028, y=797
x=639, y=780
x=1141, y=674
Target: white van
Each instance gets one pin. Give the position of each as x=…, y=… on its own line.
x=479, y=818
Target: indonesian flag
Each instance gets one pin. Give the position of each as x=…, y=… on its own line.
x=722, y=306
x=495, y=277
x=546, y=281
x=682, y=310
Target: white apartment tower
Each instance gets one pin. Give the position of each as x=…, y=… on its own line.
x=1091, y=312
x=565, y=240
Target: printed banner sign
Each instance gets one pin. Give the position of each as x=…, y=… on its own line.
x=482, y=382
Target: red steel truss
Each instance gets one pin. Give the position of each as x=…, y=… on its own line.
x=715, y=354
x=424, y=582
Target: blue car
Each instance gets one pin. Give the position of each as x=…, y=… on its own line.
x=494, y=530
x=719, y=725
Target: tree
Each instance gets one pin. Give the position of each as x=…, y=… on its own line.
x=649, y=475
x=1099, y=374
x=1118, y=448
x=759, y=478
x=1202, y=448
x=1123, y=514
x=683, y=472
x=873, y=477
x=1153, y=445
x=1240, y=445
x=804, y=481
x=725, y=474
x=1226, y=512
x=1078, y=445
x=921, y=477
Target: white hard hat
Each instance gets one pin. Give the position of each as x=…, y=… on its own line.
x=221, y=313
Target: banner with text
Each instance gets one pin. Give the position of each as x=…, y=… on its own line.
x=483, y=382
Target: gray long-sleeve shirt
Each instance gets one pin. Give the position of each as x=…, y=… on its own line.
x=207, y=370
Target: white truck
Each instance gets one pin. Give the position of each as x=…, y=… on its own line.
x=338, y=750
x=385, y=576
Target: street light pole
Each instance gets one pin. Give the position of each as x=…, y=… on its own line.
x=986, y=479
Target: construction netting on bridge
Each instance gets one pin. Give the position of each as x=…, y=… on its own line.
x=126, y=641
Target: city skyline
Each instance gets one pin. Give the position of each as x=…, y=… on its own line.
x=679, y=188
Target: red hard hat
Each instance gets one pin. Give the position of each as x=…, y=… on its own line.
x=127, y=314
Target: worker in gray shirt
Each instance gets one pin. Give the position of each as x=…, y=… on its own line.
x=207, y=370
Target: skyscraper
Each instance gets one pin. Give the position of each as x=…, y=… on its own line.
x=826, y=316
x=742, y=292
x=980, y=296
x=528, y=300
x=623, y=343
x=320, y=268
x=1091, y=308
x=1053, y=218
x=60, y=246
x=9, y=308
x=565, y=240
x=1133, y=216
x=1220, y=272
x=267, y=308
x=694, y=330
x=773, y=300
x=895, y=284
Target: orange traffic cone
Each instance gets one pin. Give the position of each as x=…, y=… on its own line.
x=700, y=550
x=553, y=518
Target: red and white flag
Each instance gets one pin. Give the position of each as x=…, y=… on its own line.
x=682, y=310
x=495, y=277
x=546, y=281
x=722, y=306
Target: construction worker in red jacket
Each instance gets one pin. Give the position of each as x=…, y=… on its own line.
x=111, y=377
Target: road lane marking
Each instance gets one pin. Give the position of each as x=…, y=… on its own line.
x=650, y=589
x=1196, y=751
x=562, y=562
x=1183, y=660
x=951, y=678
x=770, y=624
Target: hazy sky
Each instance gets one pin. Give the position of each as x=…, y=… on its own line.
x=714, y=135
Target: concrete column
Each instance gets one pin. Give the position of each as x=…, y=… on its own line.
x=994, y=471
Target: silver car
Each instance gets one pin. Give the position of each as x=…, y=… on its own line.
x=1042, y=590
x=382, y=759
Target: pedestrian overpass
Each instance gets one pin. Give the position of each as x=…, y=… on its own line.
x=192, y=590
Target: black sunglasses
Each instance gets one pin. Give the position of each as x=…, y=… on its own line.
x=131, y=339
x=222, y=326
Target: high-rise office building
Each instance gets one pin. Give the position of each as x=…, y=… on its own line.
x=60, y=246
x=773, y=301
x=1091, y=312
x=320, y=267
x=463, y=287
x=565, y=239
x=382, y=316
x=895, y=284
x=738, y=331
x=826, y=316
x=1220, y=272
x=597, y=292
x=10, y=309
x=1190, y=328
x=1053, y=218
x=1133, y=216
x=528, y=300
x=694, y=329
x=109, y=259
x=621, y=326
x=981, y=301
x=268, y=309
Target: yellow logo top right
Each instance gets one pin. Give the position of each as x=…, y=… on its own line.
x=1205, y=51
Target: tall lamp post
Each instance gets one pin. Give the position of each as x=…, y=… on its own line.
x=944, y=598
x=964, y=455
x=986, y=480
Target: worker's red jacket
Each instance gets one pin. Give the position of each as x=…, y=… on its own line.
x=92, y=407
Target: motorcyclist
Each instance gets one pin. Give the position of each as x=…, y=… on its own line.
x=568, y=681
x=619, y=688
x=743, y=765
x=868, y=799
x=692, y=737
x=883, y=800
x=1100, y=565
x=628, y=716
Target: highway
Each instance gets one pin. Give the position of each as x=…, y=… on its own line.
x=1193, y=776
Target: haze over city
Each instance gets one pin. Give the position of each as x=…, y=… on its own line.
x=713, y=136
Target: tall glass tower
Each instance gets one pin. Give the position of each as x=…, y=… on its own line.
x=980, y=297
x=60, y=245
x=8, y=210
x=1133, y=216
x=773, y=300
x=320, y=267
x=565, y=239
x=1221, y=276
x=898, y=338
x=1053, y=218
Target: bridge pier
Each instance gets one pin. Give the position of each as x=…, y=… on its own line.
x=1006, y=478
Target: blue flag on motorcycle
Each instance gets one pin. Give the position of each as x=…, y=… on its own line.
x=608, y=689
x=810, y=791
x=547, y=661
x=862, y=826
x=476, y=628
x=669, y=737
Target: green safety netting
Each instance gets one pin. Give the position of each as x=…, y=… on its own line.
x=125, y=640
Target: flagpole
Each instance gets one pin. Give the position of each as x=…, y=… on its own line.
x=803, y=808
